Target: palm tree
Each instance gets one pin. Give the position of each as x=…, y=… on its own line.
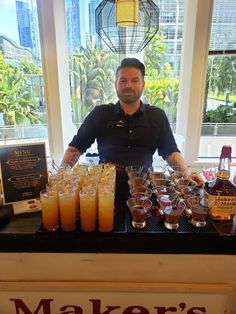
x=153, y=54
x=161, y=87
x=92, y=73
x=15, y=99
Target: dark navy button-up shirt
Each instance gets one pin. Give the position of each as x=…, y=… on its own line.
x=126, y=139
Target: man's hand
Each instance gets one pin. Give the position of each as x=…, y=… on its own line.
x=194, y=178
x=176, y=160
x=70, y=157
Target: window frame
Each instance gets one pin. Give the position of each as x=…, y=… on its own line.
x=194, y=58
x=52, y=29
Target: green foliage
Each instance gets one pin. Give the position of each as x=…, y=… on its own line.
x=153, y=56
x=30, y=68
x=43, y=117
x=15, y=99
x=221, y=97
x=221, y=75
x=163, y=93
x=92, y=74
x=161, y=87
x=223, y=114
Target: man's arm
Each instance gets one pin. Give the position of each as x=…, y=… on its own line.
x=70, y=157
x=176, y=160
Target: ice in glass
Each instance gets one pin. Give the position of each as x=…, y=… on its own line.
x=50, y=210
x=67, y=207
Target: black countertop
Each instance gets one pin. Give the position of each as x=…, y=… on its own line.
x=24, y=233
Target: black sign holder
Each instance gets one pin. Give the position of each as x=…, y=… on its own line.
x=23, y=175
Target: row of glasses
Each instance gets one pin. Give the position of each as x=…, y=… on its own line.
x=60, y=200
x=173, y=194
x=77, y=194
x=139, y=204
x=142, y=186
x=53, y=202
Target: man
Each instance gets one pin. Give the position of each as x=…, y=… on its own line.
x=129, y=132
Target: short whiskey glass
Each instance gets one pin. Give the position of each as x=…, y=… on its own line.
x=172, y=215
x=199, y=211
x=139, y=208
x=166, y=200
x=141, y=191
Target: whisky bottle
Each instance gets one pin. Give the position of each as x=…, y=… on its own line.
x=220, y=196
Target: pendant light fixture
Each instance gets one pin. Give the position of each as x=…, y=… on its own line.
x=127, y=13
x=127, y=26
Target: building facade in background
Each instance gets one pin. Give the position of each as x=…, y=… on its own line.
x=13, y=53
x=77, y=23
x=28, y=29
x=73, y=28
x=80, y=21
x=92, y=24
x=223, y=31
x=171, y=27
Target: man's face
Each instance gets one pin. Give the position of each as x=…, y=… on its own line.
x=129, y=85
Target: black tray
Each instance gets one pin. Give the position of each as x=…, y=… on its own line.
x=154, y=223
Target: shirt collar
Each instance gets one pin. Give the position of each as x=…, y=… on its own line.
x=118, y=110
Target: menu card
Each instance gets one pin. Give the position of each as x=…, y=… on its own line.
x=23, y=174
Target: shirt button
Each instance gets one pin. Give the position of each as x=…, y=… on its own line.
x=130, y=131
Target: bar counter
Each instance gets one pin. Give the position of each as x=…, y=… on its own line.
x=24, y=233
x=186, y=263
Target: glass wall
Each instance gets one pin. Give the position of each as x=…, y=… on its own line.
x=92, y=64
x=22, y=103
x=219, y=114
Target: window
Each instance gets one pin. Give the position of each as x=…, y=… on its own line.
x=92, y=65
x=219, y=114
x=22, y=104
x=190, y=21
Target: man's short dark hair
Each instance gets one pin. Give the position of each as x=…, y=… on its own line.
x=131, y=63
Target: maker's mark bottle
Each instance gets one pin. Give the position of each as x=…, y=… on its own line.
x=221, y=195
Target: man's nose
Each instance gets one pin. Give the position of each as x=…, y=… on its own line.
x=128, y=84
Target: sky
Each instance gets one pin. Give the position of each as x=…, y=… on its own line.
x=8, y=21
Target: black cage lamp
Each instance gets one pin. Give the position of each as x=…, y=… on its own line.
x=127, y=26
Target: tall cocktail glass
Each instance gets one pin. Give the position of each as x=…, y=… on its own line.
x=88, y=208
x=105, y=208
x=50, y=210
x=67, y=207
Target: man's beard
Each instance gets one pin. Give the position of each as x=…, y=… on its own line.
x=129, y=96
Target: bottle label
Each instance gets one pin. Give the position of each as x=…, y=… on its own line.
x=221, y=204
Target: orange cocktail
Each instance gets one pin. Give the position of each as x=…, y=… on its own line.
x=67, y=207
x=50, y=210
x=105, y=208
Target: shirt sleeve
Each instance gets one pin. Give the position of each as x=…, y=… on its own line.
x=86, y=134
x=167, y=144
